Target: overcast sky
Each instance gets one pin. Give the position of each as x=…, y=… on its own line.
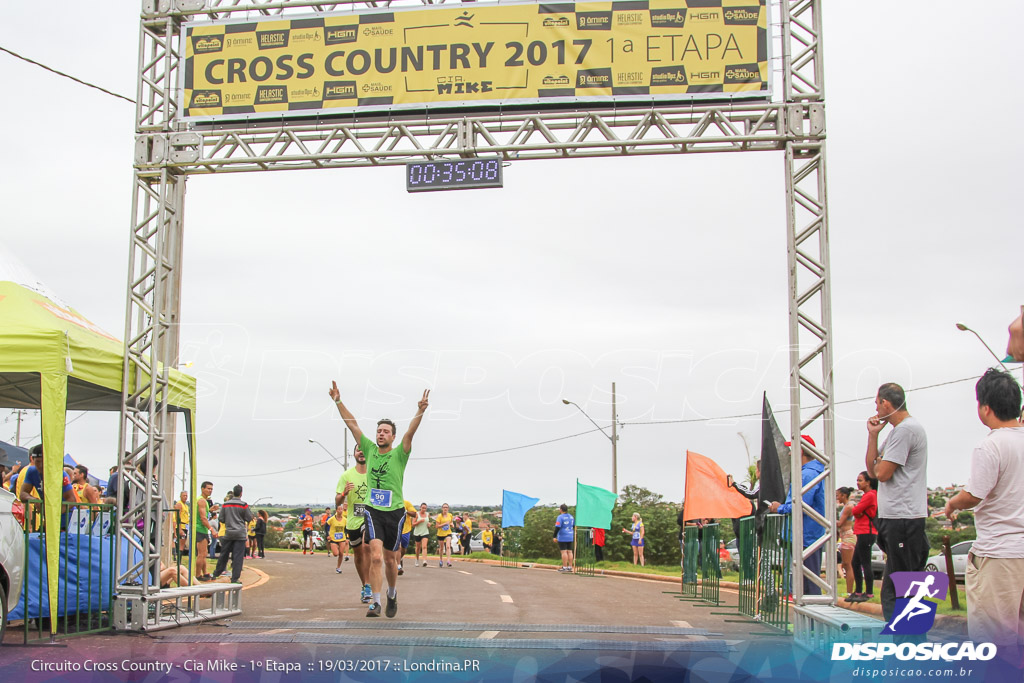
x=666, y=275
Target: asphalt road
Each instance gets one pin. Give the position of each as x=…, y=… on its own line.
x=303, y=621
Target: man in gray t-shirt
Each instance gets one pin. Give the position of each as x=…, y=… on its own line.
x=900, y=466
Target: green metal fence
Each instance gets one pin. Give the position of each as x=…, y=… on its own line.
x=691, y=561
x=585, y=558
x=511, y=546
x=774, y=568
x=710, y=568
x=85, y=584
x=746, y=545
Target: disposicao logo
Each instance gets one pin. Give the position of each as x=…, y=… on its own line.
x=914, y=615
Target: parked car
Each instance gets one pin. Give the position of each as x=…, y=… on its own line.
x=734, y=552
x=937, y=562
x=12, y=557
x=877, y=561
x=294, y=540
x=476, y=542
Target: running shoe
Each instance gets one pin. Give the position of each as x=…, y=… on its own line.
x=400, y=570
x=392, y=609
x=440, y=564
x=337, y=570
x=417, y=563
x=374, y=610
x=366, y=595
x=449, y=564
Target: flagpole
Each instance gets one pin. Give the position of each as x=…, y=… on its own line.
x=615, y=441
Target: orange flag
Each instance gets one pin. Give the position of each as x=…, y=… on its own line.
x=707, y=494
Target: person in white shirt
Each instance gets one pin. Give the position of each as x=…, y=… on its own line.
x=995, y=489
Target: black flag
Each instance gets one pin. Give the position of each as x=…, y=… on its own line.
x=774, y=461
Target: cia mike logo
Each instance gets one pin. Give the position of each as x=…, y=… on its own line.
x=915, y=611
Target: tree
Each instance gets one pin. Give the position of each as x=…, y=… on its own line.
x=639, y=496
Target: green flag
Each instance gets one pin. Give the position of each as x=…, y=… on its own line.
x=594, y=506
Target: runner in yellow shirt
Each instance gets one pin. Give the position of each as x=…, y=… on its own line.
x=337, y=541
x=410, y=519
x=443, y=524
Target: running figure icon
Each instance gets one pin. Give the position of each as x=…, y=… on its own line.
x=915, y=607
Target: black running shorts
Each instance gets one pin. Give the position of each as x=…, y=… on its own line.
x=385, y=525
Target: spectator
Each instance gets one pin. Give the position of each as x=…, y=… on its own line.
x=261, y=532
x=995, y=564
x=847, y=539
x=864, y=513
x=565, y=527
x=496, y=542
x=637, y=538
x=900, y=466
x=31, y=482
x=815, y=497
x=598, y=545
x=235, y=515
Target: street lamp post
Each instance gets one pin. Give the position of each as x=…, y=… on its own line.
x=343, y=464
x=964, y=328
x=614, y=438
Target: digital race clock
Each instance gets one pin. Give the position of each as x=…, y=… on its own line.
x=463, y=174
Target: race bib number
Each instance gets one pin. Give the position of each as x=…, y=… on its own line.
x=339, y=535
x=445, y=527
x=359, y=510
x=380, y=498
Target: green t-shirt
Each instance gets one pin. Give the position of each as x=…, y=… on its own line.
x=385, y=473
x=356, y=498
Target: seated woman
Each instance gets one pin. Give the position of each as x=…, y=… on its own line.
x=177, y=574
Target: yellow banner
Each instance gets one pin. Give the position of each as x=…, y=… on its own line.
x=475, y=56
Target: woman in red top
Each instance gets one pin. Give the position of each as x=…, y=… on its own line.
x=864, y=514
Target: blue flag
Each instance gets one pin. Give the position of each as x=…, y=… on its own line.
x=514, y=507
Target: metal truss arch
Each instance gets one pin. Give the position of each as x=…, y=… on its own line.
x=169, y=150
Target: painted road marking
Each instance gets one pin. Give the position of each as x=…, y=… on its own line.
x=467, y=573
x=506, y=598
x=493, y=583
x=487, y=635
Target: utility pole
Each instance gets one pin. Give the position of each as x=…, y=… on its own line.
x=615, y=440
x=17, y=433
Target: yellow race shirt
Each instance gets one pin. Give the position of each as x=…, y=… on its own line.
x=336, y=528
x=444, y=524
x=410, y=517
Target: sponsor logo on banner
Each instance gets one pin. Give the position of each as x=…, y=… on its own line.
x=305, y=36
x=560, y=21
x=630, y=78
x=335, y=35
x=594, y=21
x=377, y=31
x=271, y=94
x=205, y=98
x=742, y=16
x=339, y=90
x=914, y=614
x=376, y=89
x=594, y=78
x=629, y=19
x=202, y=45
x=703, y=16
x=742, y=73
x=556, y=80
x=268, y=40
x=668, y=18
x=668, y=75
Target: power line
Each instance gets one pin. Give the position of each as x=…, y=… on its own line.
x=64, y=75
x=786, y=410
x=589, y=431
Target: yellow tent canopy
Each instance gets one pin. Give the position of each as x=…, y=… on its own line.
x=52, y=358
